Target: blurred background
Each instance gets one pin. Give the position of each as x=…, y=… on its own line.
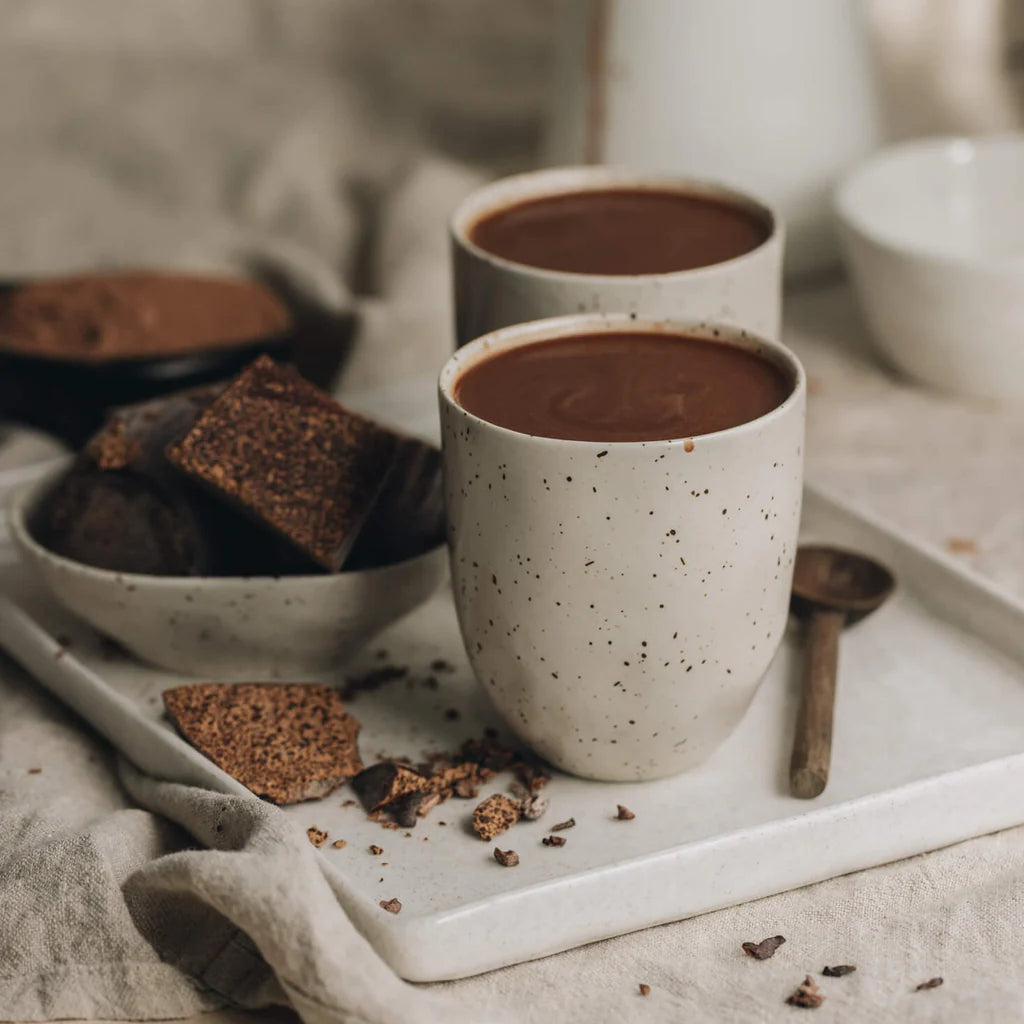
x=323, y=143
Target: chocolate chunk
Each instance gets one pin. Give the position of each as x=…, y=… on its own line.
x=408, y=516
x=392, y=906
x=624, y=813
x=839, y=971
x=495, y=815
x=561, y=826
x=316, y=836
x=288, y=456
x=930, y=983
x=553, y=840
x=506, y=858
x=764, y=949
x=645, y=990
x=123, y=507
x=385, y=782
x=284, y=742
x=376, y=850
x=533, y=807
x=808, y=995
x=407, y=810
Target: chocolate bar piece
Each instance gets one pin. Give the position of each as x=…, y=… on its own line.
x=286, y=742
x=289, y=457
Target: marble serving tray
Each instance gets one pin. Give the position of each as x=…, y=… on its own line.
x=929, y=750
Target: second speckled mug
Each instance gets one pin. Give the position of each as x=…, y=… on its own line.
x=621, y=601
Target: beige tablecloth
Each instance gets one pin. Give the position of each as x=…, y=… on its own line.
x=180, y=136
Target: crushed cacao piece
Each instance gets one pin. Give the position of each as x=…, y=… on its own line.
x=506, y=858
x=440, y=665
x=807, y=995
x=765, y=948
x=561, y=826
x=533, y=807
x=452, y=715
x=645, y=990
x=376, y=850
x=553, y=840
x=467, y=789
x=35, y=771
x=624, y=813
x=431, y=683
x=316, y=836
x=405, y=810
x=930, y=983
x=839, y=971
x=339, y=844
x=495, y=815
x=392, y=906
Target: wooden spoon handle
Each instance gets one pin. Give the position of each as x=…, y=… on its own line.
x=812, y=745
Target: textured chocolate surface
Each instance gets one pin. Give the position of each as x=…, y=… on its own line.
x=286, y=742
x=123, y=507
x=291, y=458
x=497, y=814
x=133, y=314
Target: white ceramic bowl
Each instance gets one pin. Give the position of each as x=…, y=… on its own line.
x=242, y=628
x=933, y=234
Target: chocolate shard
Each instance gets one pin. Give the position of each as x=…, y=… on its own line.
x=839, y=971
x=807, y=995
x=286, y=742
x=506, y=858
x=289, y=457
x=764, y=949
x=385, y=782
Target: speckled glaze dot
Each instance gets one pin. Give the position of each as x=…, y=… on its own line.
x=622, y=600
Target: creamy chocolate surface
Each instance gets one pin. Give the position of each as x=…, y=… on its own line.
x=619, y=232
x=627, y=386
x=135, y=314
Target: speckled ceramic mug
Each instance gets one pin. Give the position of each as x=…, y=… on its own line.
x=621, y=601
x=492, y=292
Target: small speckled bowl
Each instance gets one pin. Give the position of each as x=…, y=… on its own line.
x=244, y=628
x=621, y=601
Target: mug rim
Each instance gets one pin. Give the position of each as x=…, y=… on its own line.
x=552, y=328
x=556, y=181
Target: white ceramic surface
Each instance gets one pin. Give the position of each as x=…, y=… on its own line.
x=241, y=628
x=920, y=760
x=777, y=98
x=933, y=233
x=491, y=292
x=620, y=602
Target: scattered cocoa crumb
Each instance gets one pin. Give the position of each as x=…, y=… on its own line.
x=440, y=665
x=506, y=858
x=961, y=546
x=35, y=771
x=348, y=803
x=563, y=825
x=316, y=836
x=442, y=823
x=497, y=814
x=808, y=995
x=452, y=715
x=392, y=906
x=431, y=683
x=624, y=813
x=374, y=679
x=533, y=807
x=376, y=850
x=930, y=983
x=553, y=840
x=765, y=948
x=339, y=844
x=467, y=789
x=645, y=990
x=838, y=971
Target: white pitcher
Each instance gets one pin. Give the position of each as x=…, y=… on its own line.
x=772, y=96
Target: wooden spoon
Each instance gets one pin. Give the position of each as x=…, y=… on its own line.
x=831, y=588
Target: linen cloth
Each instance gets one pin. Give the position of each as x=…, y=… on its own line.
x=164, y=133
